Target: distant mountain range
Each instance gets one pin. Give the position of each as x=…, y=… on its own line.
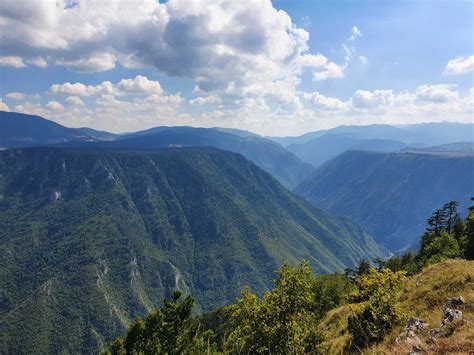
x=92, y=239
x=320, y=146
x=390, y=194
x=323, y=148
x=418, y=135
x=20, y=130
x=452, y=149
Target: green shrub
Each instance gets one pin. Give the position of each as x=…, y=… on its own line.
x=380, y=311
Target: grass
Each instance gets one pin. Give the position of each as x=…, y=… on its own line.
x=422, y=296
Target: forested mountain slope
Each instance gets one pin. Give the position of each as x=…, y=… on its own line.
x=90, y=240
x=390, y=194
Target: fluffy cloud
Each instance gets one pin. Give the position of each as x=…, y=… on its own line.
x=129, y=104
x=3, y=106
x=55, y=106
x=437, y=93
x=322, y=102
x=211, y=99
x=74, y=101
x=233, y=47
x=15, y=96
x=459, y=65
x=95, y=62
x=140, y=85
x=39, y=62
x=371, y=99
x=12, y=61
x=331, y=71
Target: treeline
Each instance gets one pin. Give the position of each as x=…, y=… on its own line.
x=284, y=320
x=447, y=236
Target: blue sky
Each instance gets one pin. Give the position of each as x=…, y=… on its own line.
x=276, y=68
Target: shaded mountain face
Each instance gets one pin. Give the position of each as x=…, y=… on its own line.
x=268, y=155
x=90, y=240
x=390, y=194
x=20, y=130
x=319, y=150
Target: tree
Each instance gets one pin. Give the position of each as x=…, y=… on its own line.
x=450, y=212
x=282, y=322
x=437, y=221
x=379, y=311
x=169, y=330
x=363, y=268
x=469, y=232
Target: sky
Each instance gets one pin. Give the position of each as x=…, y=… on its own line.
x=282, y=67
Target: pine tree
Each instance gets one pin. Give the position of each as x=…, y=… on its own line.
x=437, y=221
x=469, y=230
x=450, y=212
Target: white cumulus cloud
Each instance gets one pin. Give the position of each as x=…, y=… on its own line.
x=459, y=65
x=238, y=48
x=3, y=106
x=55, y=106
x=15, y=96
x=12, y=61
x=437, y=93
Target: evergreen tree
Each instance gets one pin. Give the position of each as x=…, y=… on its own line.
x=469, y=232
x=437, y=221
x=363, y=268
x=450, y=212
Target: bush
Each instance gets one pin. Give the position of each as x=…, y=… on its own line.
x=380, y=311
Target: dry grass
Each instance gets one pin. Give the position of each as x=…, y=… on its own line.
x=423, y=297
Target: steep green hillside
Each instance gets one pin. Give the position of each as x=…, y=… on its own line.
x=390, y=194
x=90, y=240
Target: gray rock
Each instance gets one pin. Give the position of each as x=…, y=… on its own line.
x=434, y=332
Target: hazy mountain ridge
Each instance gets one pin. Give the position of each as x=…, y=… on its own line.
x=320, y=146
x=421, y=134
x=319, y=150
x=20, y=130
x=270, y=156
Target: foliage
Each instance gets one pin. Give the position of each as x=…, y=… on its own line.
x=282, y=322
x=169, y=330
x=469, y=232
x=330, y=291
x=380, y=312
